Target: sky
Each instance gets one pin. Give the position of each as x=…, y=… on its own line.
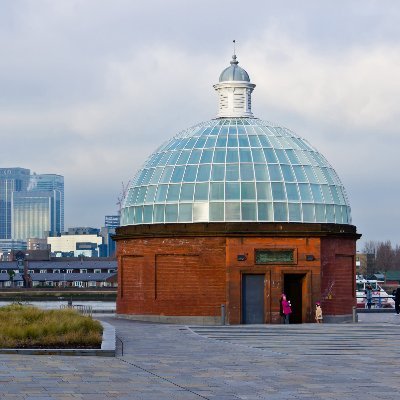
x=90, y=88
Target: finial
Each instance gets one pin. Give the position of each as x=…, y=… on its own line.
x=234, y=61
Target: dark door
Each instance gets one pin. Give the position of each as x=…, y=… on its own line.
x=293, y=288
x=253, y=298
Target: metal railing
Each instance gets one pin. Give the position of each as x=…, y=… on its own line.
x=377, y=301
x=81, y=308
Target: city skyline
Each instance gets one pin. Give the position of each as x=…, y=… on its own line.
x=113, y=82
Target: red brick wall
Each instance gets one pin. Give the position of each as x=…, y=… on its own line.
x=174, y=276
x=338, y=275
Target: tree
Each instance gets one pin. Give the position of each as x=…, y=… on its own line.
x=11, y=274
x=385, y=256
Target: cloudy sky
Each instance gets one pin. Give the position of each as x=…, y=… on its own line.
x=89, y=88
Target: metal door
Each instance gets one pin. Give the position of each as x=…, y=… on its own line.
x=253, y=298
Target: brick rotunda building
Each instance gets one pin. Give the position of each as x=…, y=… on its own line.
x=233, y=212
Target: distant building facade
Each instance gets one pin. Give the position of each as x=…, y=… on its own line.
x=11, y=180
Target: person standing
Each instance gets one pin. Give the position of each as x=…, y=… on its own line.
x=286, y=309
x=368, y=293
x=397, y=301
x=318, y=313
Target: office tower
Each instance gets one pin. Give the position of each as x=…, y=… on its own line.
x=35, y=214
x=51, y=182
x=11, y=180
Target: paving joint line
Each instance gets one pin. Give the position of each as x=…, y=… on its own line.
x=163, y=378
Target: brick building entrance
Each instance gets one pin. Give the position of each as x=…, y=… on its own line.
x=185, y=272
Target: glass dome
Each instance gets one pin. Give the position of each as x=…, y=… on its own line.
x=236, y=169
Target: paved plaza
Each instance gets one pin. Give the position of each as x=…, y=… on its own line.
x=310, y=361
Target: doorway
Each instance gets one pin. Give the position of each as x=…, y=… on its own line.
x=253, y=298
x=293, y=288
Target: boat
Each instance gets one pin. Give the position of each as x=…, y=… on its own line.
x=380, y=299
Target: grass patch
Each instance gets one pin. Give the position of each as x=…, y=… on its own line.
x=24, y=326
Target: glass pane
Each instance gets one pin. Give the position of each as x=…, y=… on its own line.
x=203, y=173
x=319, y=213
x=245, y=155
x=263, y=191
x=161, y=193
x=156, y=176
x=232, y=141
x=216, y=211
x=243, y=141
x=200, y=212
x=270, y=156
x=201, y=191
x=151, y=191
x=194, y=157
x=173, y=192
x=300, y=175
x=232, y=156
x=330, y=213
x=288, y=175
x=338, y=215
x=190, y=173
x=217, y=191
x=166, y=176
x=265, y=212
x=221, y=141
x=232, y=172
x=278, y=191
x=210, y=142
x=281, y=156
x=177, y=175
x=219, y=156
x=292, y=193
x=141, y=194
x=308, y=213
x=232, y=211
x=292, y=156
x=171, y=212
x=280, y=212
x=294, y=212
x=254, y=142
x=232, y=191
x=249, y=212
x=182, y=160
x=218, y=172
x=206, y=156
x=258, y=156
x=248, y=191
x=305, y=192
x=261, y=172
x=246, y=172
x=185, y=213
x=274, y=172
x=316, y=192
x=333, y=191
x=138, y=215
x=187, y=192
x=148, y=214
x=327, y=194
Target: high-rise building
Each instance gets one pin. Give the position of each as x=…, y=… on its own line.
x=51, y=182
x=11, y=180
x=35, y=214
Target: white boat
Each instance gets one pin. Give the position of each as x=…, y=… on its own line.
x=380, y=299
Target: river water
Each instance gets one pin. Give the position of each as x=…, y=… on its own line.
x=97, y=306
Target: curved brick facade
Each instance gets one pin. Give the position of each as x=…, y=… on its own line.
x=185, y=272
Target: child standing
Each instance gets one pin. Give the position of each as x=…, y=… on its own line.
x=318, y=313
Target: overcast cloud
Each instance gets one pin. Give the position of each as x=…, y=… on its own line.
x=89, y=88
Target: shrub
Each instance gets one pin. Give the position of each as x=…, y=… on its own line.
x=29, y=327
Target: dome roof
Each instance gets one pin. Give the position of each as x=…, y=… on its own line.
x=236, y=169
x=234, y=72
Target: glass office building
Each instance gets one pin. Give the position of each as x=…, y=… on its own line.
x=35, y=214
x=51, y=182
x=11, y=180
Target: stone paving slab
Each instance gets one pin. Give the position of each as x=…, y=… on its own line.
x=269, y=362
